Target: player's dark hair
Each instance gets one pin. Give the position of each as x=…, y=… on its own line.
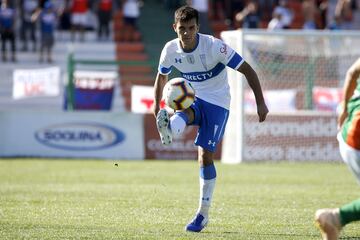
x=185, y=14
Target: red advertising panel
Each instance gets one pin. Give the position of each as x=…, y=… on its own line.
x=304, y=136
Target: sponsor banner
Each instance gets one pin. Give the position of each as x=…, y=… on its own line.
x=142, y=99
x=93, y=90
x=36, y=82
x=276, y=100
x=295, y=137
x=181, y=148
x=326, y=99
x=71, y=134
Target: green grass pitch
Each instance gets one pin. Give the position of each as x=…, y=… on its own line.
x=82, y=199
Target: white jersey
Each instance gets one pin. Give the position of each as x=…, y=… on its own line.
x=204, y=67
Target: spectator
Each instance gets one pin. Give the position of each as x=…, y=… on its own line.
x=322, y=6
x=286, y=14
x=249, y=17
x=79, y=10
x=232, y=7
x=173, y=4
x=65, y=17
x=310, y=12
x=131, y=11
x=28, y=28
x=217, y=9
x=275, y=23
x=202, y=6
x=48, y=18
x=7, y=29
x=343, y=11
x=104, y=13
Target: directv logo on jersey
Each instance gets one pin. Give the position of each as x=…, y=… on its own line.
x=202, y=76
x=198, y=77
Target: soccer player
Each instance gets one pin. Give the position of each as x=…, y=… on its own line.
x=201, y=59
x=331, y=221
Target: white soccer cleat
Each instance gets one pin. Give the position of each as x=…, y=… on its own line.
x=328, y=221
x=162, y=123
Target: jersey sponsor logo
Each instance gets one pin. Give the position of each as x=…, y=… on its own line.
x=198, y=77
x=202, y=76
x=178, y=60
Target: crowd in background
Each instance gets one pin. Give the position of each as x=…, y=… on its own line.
x=279, y=14
x=27, y=18
x=33, y=23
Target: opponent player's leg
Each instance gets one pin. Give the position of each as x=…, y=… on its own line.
x=331, y=221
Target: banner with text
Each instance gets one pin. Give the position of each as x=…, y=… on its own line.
x=71, y=135
x=36, y=82
x=93, y=90
x=292, y=137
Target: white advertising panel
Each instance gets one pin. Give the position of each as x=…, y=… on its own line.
x=36, y=82
x=72, y=134
x=276, y=100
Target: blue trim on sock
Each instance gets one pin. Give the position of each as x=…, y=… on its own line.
x=208, y=172
x=183, y=116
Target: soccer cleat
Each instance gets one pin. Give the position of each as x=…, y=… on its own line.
x=197, y=224
x=162, y=123
x=328, y=221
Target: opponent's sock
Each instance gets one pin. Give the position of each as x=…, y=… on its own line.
x=178, y=123
x=350, y=212
x=207, y=185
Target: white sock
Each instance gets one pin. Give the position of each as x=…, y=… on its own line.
x=177, y=125
x=206, y=192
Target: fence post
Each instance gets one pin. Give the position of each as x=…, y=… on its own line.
x=70, y=93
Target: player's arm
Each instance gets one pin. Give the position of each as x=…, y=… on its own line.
x=254, y=83
x=348, y=90
x=159, y=84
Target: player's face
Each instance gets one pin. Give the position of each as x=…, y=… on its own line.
x=186, y=32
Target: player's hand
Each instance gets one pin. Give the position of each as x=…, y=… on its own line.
x=262, y=111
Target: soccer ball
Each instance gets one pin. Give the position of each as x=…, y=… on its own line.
x=178, y=94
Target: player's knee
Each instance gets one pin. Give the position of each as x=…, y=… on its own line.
x=205, y=157
x=177, y=125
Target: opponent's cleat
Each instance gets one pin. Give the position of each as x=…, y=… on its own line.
x=162, y=123
x=197, y=224
x=328, y=221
